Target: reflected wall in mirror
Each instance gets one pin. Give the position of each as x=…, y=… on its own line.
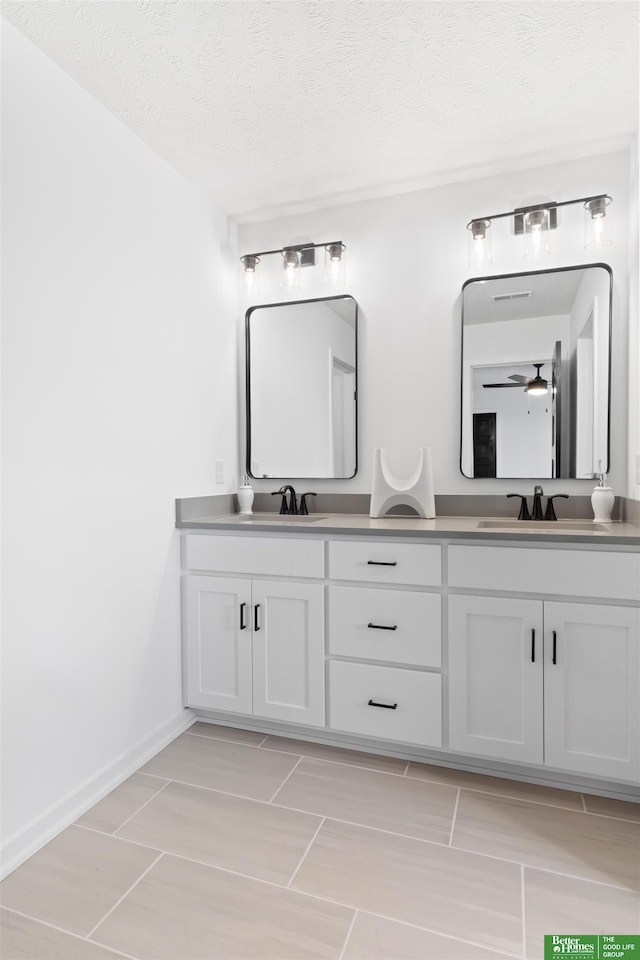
x=536, y=373
x=301, y=389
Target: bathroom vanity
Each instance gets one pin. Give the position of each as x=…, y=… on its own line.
x=493, y=648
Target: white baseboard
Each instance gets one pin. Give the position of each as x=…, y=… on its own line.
x=53, y=821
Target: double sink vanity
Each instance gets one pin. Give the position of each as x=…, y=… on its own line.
x=496, y=645
x=488, y=643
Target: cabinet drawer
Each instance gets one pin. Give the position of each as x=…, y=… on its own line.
x=379, y=562
x=614, y=576
x=417, y=718
x=254, y=555
x=391, y=625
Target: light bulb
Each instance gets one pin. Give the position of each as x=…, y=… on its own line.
x=597, y=223
x=250, y=273
x=479, y=243
x=334, y=264
x=290, y=269
x=536, y=231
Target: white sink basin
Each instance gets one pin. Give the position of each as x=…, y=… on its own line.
x=586, y=526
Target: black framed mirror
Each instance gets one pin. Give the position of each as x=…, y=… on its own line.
x=536, y=358
x=301, y=389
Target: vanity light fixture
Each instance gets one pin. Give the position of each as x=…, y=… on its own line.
x=535, y=223
x=295, y=257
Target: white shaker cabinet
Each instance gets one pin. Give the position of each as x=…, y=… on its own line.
x=592, y=689
x=218, y=654
x=288, y=651
x=495, y=677
x=546, y=682
x=255, y=647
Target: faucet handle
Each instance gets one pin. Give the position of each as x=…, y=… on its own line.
x=524, y=507
x=303, y=511
x=550, y=513
x=283, y=505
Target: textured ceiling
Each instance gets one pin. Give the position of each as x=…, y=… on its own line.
x=264, y=104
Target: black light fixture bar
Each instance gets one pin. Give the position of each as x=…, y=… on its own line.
x=295, y=246
x=550, y=205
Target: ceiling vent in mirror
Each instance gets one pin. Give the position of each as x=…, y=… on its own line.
x=512, y=296
x=536, y=222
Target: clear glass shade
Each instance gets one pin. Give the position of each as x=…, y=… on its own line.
x=536, y=234
x=597, y=224
x=334, y=264
x=479, y=243
x=290, y=274
x=250, y=275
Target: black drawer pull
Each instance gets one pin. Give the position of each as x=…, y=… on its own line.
x=533, y=646
x=379, y=626
x=386, y=706
x=243, y=625
x=382, y=563
x=554, y=658
x=256, y=625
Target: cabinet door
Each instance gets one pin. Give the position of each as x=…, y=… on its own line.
x=288, y=651
x=218, y=643
x=592, y=689
x=495, y=677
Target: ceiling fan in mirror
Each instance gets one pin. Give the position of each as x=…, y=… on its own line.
x=536, y=386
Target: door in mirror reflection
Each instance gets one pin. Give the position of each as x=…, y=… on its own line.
x=302, y=389
x=535, y=374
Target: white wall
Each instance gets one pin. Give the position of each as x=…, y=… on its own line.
x=119, y=391
x=634, y=322
x=407, y=263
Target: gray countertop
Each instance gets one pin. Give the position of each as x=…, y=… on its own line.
x=461, y=528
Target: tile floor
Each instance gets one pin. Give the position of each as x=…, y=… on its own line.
x=230, y=845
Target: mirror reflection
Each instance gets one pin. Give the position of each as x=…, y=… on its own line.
x=301, y=389
x=535, y=374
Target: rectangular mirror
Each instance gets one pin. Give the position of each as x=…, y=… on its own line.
x=302, y=389
x=536, y=373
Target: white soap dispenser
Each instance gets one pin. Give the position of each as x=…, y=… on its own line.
x=602, y=499
x=245, y=496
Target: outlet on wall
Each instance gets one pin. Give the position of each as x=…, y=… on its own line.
x=219, y=471
x=638, y=469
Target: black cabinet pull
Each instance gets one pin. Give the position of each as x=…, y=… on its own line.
x=533, y=646
x=385, y=706
x=554, y=657
x=243, y=625
x=379, y=626
x=256, y=625
x=382, y=563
